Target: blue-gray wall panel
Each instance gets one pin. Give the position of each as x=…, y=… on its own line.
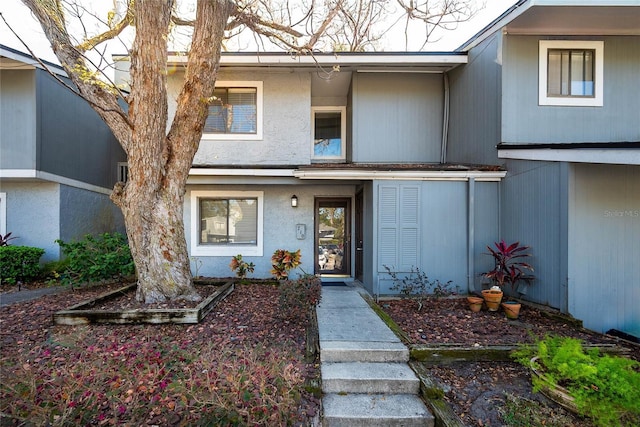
x=368, y=239
x=524, y=121
x=396, y=118
x=87, y=212
x=604, y=247
x=486, y=228
x=534, y=212
x=74, y=141
x=444, y=231
x=474, y=122
x=17, y=119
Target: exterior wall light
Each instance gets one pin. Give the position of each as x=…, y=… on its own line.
x=294, y=201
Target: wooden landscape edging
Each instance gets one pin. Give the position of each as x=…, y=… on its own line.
x=82, y=314
x=443, y=354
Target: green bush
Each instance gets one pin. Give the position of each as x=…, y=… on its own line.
x=19, y=263
x=97, y=258
x=605, y=388
x=297, y=297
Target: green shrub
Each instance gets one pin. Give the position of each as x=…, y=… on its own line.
x=297, y=297
x=19, y=263
x=605, y=388
x=97, y=258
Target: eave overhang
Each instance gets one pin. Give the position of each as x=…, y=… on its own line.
x=564, y=18
x=343, y=61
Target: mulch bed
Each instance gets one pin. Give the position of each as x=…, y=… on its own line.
x=248, y=317
x=477, y=391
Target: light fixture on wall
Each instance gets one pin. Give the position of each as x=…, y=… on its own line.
x=294, y=201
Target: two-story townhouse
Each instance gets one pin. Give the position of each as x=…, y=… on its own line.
x=338, y=155
x=551, y=91
x=58, y=160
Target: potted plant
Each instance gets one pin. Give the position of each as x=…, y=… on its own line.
x=508, y=270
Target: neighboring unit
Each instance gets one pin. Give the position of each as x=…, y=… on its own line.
x=58, y=160
x=551, y=91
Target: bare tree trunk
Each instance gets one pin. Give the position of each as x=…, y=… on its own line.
x=159, y=162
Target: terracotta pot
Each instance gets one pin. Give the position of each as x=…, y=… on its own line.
x=475, y=303
x=492, y=299
x=511, y=309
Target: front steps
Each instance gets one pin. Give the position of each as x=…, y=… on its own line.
x=366, y=380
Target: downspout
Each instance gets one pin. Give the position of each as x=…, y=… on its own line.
x=445, y=119
x=471, y=272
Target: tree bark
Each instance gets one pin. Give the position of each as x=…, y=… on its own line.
x=159, y=162
x=159, y=158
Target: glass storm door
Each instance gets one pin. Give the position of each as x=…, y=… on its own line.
x=333, y=236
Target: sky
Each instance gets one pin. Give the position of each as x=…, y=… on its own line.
x=19, y=18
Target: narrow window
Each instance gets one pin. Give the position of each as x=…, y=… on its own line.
x=328, y=133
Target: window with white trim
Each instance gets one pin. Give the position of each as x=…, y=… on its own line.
x=328, y=127
x=235, y=111
x=226, y=223
x=571, y=73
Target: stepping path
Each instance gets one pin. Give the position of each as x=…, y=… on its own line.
x=366, y=380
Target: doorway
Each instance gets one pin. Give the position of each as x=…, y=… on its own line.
x=333, y=236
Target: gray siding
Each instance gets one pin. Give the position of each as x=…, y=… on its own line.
x=604, y=247
x=87, y=212
x=73, y=140
x=475, y=93
x=534, y=212
x=397, y=118
x=430, y=230
x=368, y=237
x=524, y=121
x=17, y=119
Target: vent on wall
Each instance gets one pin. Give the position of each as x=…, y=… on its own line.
x=123, y=171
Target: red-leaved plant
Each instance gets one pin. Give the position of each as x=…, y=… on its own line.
x=508, y=269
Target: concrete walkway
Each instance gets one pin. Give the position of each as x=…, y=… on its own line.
x=28, y=294
x=365, y=376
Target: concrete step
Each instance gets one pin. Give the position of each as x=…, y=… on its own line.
x=366, y=410
x=359, y=377
x=363, y=351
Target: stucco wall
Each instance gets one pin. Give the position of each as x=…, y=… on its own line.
x=280, y=221
x=33, y=215
x=286, y=122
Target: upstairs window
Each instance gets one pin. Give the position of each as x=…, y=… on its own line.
x=571, y=73
x=328, y=128
x=235, y=111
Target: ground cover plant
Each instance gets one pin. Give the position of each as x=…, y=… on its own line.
x=606, y=388
x=491, y=393
x=243, y=365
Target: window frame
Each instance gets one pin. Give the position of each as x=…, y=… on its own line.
x=571, y=101
x=258, y=85
x=343, y=132
x=3, y=213
x=198, y=249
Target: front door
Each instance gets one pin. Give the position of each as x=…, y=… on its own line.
x=333, y=236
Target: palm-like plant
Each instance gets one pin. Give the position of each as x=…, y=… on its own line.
x=508, y=269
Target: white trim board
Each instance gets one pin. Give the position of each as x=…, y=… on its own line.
x=587, y=155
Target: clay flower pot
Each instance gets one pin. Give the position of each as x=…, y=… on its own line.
x=492, y=298
x=511, y=309
x=475, y=303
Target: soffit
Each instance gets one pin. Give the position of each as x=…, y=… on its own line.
x=577, y=20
